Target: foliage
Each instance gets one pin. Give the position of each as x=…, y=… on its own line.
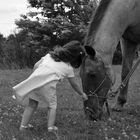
x=56, y=22
x=2, y=42
x=11, y=55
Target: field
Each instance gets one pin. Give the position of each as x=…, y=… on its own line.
x=70, y=116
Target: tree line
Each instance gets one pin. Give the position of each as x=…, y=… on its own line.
x=55, y=22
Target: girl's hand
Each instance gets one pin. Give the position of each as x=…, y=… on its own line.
x=85, y=97
x=76, y=87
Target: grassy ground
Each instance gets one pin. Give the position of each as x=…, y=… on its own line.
x=70, y=116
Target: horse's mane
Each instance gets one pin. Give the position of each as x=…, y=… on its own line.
x=96, y=20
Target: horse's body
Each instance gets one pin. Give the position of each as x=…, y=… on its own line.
x=114, y=21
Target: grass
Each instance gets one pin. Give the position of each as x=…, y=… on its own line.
x=70, y=116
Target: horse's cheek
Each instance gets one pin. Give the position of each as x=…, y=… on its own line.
x=111, y=75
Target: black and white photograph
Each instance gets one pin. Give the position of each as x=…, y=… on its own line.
x=70, y=70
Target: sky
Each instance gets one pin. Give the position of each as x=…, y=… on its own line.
x=10, y=10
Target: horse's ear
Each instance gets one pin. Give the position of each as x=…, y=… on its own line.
x=90, y=51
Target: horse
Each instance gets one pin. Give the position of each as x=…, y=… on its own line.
x=95, y=82
x=114, y=21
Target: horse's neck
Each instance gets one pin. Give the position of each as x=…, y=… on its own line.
x=110, y=28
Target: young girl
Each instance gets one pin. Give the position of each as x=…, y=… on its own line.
x=40, y=88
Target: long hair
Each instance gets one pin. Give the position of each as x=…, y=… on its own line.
x=71, y=53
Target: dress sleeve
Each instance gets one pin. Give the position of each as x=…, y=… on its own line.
x=42, y=58
x=70, y=72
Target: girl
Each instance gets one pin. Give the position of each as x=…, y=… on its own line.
x=40, y=88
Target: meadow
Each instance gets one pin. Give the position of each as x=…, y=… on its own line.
x=70, y=118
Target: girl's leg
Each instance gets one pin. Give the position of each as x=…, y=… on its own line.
x=28, y=112
x=49, y=94
x=51, y=117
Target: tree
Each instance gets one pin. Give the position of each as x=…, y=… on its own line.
x=2, y=43
x=68, y=18
x=58, y=22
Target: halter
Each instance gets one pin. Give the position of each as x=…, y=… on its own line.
x=94, y=94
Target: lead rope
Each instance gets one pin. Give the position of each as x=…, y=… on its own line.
x=98, y=86
x=93, y=94
x=124, y=82
x=106, y=102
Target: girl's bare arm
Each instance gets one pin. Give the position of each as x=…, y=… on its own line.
x=77, y=88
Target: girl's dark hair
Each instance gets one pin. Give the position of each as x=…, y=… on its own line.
x=71, y=52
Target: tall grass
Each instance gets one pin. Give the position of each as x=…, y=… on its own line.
x=70, y=118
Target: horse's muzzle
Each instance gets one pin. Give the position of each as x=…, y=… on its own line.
x=92, y=115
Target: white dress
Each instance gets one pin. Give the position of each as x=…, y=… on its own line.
x=42, y=83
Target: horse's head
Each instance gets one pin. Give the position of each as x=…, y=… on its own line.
x=95, y=82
